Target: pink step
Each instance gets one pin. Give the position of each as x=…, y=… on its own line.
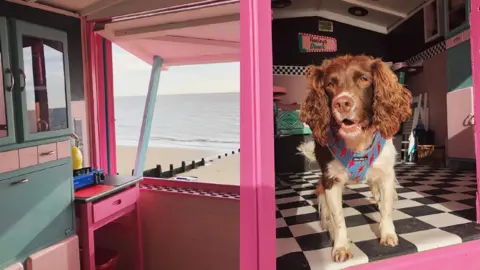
x=64, y=255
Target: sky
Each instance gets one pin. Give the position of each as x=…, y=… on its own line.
x=131, y=77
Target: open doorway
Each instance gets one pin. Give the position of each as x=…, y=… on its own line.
x=196, y=118
x=427, y=44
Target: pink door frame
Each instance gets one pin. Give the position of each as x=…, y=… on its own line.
x=257, y=164
x=475, y=49
x=257, y=182
x=94, y=68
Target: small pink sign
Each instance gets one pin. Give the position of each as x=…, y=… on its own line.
x=314, y=43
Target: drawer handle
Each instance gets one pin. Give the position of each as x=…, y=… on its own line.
x=49, y=153
x=117, y=202
x=457, y=39
x=18, y=182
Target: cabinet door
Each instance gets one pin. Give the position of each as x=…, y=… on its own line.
x=461, y=142
x=43, y=76
x=456, y=16
x=36, y=211
x=7, y=131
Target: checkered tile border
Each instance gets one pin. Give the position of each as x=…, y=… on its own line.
x=422, y=56
x=435, y=208
x=289, y=70
x=191, y=191
x=428, y=53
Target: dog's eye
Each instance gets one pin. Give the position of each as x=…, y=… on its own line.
x=330, y=84
x=363, y=79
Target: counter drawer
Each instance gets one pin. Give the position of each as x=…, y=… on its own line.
x=36, y=212
x=47, y=152
x=114, y=204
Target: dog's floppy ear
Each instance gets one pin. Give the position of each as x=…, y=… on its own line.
x=391, y=102
x=315, y=111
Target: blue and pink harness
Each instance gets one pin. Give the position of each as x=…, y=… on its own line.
x=356, y=164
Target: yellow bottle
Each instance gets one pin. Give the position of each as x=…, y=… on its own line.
x=77, y=157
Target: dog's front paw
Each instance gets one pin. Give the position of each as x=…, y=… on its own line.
x=389, y=240
x=341, y=254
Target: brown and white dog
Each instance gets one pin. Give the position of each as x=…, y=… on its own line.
x=355, y=100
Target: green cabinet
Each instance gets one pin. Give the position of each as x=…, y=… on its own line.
x=37, y=58
x=457, y=16
x=7, y=124
x=36, y=202
x=459, y=66
x=36, y=212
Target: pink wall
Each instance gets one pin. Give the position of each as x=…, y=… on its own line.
x=296, y=86
x=190, y=232
x=433, y=81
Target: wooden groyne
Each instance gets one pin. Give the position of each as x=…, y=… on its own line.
x=184, y=166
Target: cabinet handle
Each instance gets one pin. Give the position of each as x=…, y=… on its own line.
x=472, y=120
x=18, y=182
x=49, y=153
x=12, y=79
x=23, y=80
x=468, y=121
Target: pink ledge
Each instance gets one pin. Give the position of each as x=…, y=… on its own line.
x=463, y=256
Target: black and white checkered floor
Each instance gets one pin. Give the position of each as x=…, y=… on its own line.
x=435, y=208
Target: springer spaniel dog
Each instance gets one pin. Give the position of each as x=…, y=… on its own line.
x=354, y=107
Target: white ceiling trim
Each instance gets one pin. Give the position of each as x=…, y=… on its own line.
x=377, y=8
x=280, y=14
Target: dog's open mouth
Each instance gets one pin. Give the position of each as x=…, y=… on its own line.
x=347, y=122
x=349, y=125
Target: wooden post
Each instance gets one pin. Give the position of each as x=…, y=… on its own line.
x=158, y=170
x=184, y=166
x=148, y=116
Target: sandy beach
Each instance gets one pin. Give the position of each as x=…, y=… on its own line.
x=221, y=171
x=224, y=171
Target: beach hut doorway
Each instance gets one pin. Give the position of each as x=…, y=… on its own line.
x=159, y=37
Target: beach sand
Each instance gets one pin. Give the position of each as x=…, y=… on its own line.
x=221, y=171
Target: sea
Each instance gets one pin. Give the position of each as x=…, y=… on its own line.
x=208, y=121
